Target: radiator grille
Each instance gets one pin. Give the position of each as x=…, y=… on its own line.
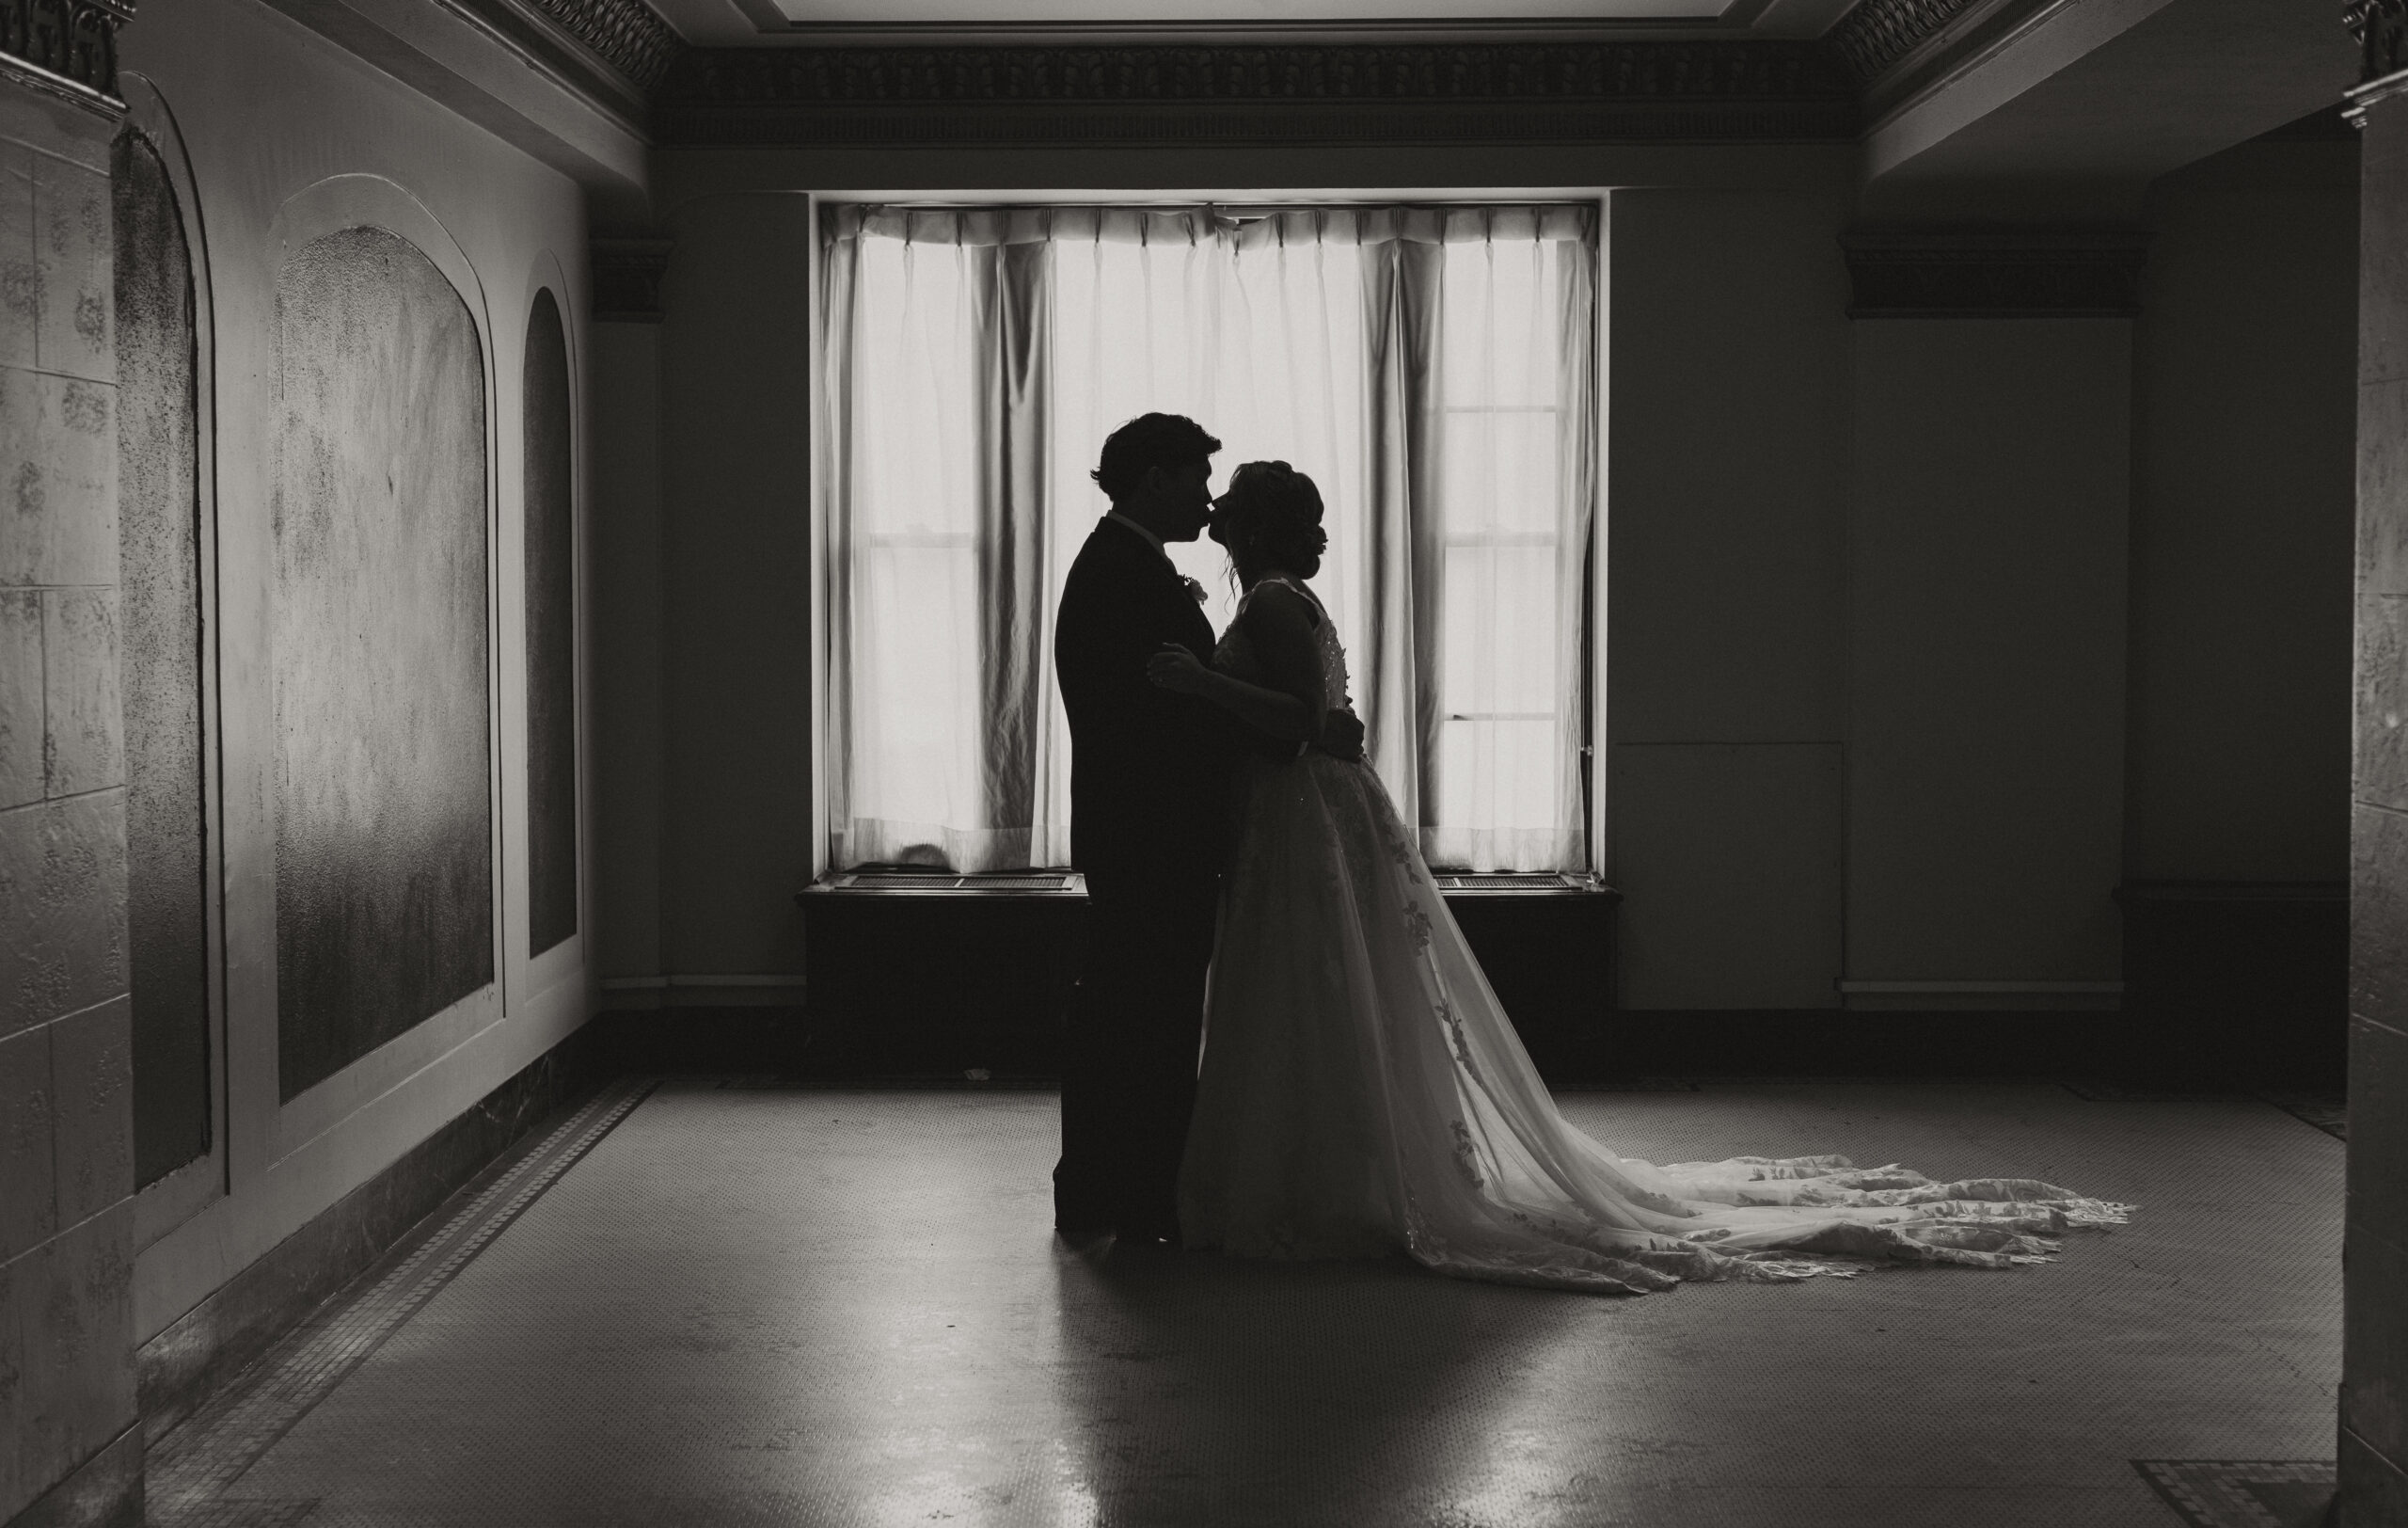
x=1551, y=881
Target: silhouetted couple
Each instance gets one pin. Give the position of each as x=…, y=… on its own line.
x=1361, y=1092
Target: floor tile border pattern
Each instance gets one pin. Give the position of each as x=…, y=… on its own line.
x=2209, y=1493
x=191, y=1466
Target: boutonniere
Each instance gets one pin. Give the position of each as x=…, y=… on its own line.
x=1193, y=587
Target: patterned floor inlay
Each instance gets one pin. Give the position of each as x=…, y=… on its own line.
x=192, y=1468
x=2243, y=1493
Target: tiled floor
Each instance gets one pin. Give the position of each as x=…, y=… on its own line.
x=754, y=1306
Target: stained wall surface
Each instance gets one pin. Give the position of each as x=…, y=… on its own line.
x=159, y=542
x=551, y=632
x=372, y=257
x=384, y=831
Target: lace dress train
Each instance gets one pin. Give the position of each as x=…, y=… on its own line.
x=1362, y=1090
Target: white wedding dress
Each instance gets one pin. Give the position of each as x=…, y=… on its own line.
x=1362, y=1092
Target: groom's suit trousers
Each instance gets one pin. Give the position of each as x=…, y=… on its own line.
x=1129, y=1058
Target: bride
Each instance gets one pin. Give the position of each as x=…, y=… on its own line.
x=1361, y=1090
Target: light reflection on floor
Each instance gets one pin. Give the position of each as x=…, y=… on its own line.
x=758, y=1307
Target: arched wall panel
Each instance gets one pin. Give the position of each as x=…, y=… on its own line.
x=384, y=866
x=160, y=663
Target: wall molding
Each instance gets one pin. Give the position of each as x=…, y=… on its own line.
x=1490, y=92
x=65, y=48
x=1987, y=275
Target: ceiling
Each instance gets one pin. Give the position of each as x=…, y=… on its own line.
x=742, y=23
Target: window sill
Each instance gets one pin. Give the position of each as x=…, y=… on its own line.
x=1048, y=885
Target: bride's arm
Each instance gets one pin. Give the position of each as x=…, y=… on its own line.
x=1279, y=625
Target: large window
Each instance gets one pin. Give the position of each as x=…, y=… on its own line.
x=1431, y=368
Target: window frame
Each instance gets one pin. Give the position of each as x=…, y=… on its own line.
x=1593, y=749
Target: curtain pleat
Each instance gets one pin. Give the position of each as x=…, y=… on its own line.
x=1013, y=414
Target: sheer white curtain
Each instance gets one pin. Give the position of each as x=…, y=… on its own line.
x=1429, y=367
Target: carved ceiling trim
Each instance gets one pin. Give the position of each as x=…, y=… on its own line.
x=629, y=35
x=67, y=48
x=1875, y=33
x=1920, y=274
x=1502, y=92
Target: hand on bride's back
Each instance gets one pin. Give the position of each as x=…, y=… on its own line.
x=1176, y=668
x=1341, y=737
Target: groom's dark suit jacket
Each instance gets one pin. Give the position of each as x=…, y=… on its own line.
x=1149, y=767
x=1150, y=778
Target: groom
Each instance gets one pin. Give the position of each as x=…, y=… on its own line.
x=1149, y=774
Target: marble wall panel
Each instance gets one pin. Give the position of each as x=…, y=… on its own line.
x=2379, y=914
x=383, y=892
x=21, y=707
x=2382, y=248
x=2373, y=1440
x=2383, y=484
x=71, y=245
x=58, y=480
x=2378, y=767
x=20, y=277
x=160, y=610
x=91, y=1075
x=2375, y=1490
x=28, y=1212
x=82, y=737
x=551, y=634
x=72, y=1315
x=2374, y=1402
x=2377, y=1166
x=62, y=895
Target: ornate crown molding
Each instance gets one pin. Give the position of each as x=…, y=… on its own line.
x=627, y=35
x=1875, y=33
x=627, y=278
x=1564, y=92
x=67, y=48
x=2380, y=30
x=1983, y=275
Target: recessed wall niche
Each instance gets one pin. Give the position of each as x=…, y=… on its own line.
x=160, y=662
x=384, y=841
x=552, y=635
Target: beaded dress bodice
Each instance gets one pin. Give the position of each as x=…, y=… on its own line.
x=1235, y=654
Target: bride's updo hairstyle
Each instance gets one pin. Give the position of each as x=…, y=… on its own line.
x=1270, y=517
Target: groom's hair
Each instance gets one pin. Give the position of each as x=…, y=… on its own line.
x=1145, y=442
